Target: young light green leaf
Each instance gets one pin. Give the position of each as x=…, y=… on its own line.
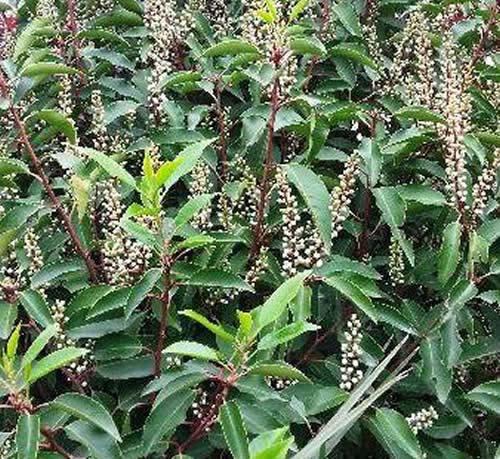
x=277, y=302
x=419, y=114
x=214, y=328
x=43, y=69
x=37, y=346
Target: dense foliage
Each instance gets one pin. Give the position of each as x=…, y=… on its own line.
x=249, y=229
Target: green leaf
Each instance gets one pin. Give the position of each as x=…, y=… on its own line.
x=285, y=334
x=55, y=361
x=81, y=192
x=114, y=58
x=449, y=254
x=192, y=349
x=218, y=278
x=353, y=293
x=59, y=122
x=298, y=9
x=13, y=341
x=37, y=346
x=393, y=209
x=234, y=430
x=187, y=159
x=9, y=166
x=309, y=45
x=214, y=328
x=230, y=47
x=397, y=431
x=117, y=109
x=419, y=114
x=487, y=395
x=35, y=305
x=280, y=370
x=87, y=409
x=276, y=304
x=119, y=17
x=165, y=417
x=316, y=197
x=354, y=53
x=435, y=371
x=43, y=69
x=274, y=444
x=141, y=290
x=27, y=436
x=422, y=194
x=55, y=271
x=110, y=166
x=348, y=17
x=99, y=444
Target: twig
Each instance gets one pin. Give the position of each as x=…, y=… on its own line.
x=53, y=444
x=165, y=306
x=222, y=150
x=38, y=167
x=258, y=230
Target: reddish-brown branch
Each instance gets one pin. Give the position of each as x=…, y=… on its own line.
x=53, y=444
x=479, y=48
x=40, y=172
x=259, y=228
x=165, y=307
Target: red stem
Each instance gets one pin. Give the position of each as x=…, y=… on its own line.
x=165, y=306
x=37, y=166
x=259, y=230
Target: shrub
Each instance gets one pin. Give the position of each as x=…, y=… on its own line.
x=252, y=229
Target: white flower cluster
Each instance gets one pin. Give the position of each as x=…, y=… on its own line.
x=217, y=13
x=84, y=364
x=5, y=449
x=454, y=105
x=7, y=36
x=302, y=244
x=245, y=206
x=270, y=37
x=258, y=268
x=342, y=194
x=201, y=184
x=277, y=383
x=98, y=130
x=88, y=10
x=11, y=275
x=396, y=263
x=47, y=9
x=58, y=312
x=65, y=96
x=173, y=362
x=413, y=67
x=7, y=194
x=124, y=259
x=33, y=251
x=169, y=28
x=293, y=144
x=422, y=419
x=485, y=185
x=351, y=374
